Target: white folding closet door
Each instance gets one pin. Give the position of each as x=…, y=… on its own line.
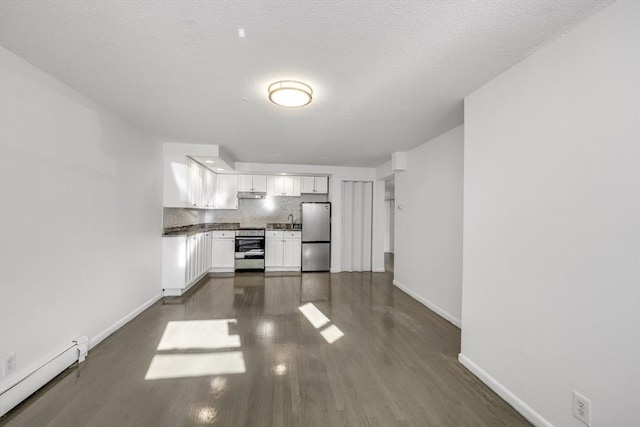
x=357, y=207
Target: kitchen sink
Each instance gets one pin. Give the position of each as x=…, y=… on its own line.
x=284, y=226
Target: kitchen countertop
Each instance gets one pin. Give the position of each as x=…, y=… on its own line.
x=283, y=226
x=189, y=230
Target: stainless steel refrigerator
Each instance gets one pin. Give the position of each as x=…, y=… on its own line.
x=316, y=236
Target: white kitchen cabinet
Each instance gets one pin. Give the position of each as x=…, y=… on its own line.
x=197, y=257
x=307, y=184
x=292, y=252
x=252, y=183
x=185, y=260
x=283, y=250
x=193, y=171
x=260, y=183
x=283, y=186
x=207, y=251
x=273, y=253
x=210, y=186
x=227, y=192
x=223, y=248
x=315, y=184
x=274, y=186
x=202, y=194
x=322, y=185
x=201, y=185
x=291, y=185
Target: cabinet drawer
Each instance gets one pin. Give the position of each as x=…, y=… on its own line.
x=292, y=234
x=228, y=234
x=273, y=234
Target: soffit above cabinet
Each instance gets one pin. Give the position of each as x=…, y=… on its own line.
x=215, y=164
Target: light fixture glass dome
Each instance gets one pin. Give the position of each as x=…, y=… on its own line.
x=290, y=93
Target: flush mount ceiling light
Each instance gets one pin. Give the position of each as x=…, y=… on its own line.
x=290, y=93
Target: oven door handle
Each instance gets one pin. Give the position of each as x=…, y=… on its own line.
x=249, y=238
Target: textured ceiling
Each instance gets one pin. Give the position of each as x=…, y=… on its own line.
x=387, y=75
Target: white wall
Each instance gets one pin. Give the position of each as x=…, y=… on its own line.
x=389, y=227
x=80, y=217
x=337, y=175
x=551, y=295
x=428, y=240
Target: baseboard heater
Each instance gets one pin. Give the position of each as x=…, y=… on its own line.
x=32, y=381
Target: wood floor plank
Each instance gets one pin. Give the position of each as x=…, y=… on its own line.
x=395, y=365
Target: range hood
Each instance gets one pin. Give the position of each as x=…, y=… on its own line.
x=251, y=195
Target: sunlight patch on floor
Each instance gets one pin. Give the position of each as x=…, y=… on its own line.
x=198, y=334
x=331, y=333
x=313, y=315
x=164, y=366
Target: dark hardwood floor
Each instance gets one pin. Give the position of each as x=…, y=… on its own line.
x=237, y=351
x=388, y=262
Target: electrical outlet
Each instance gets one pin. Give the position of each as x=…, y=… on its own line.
x=9, y=364
x=582, y=408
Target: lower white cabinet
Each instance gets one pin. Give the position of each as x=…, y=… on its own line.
x=223, y=250
x=185, y=260
x=283, y=250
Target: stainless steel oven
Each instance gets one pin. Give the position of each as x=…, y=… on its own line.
x=250, y=249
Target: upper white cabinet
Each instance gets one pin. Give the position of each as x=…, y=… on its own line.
x=252, y=183
x=206, y=189
x=283, y=186
x=186, y=182
x=315, y=185
x=201, y=185
x=227, y=192
x=210, y=185
x=274, y=186
x=195, y=183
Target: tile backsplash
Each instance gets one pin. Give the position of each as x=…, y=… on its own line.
x=250, y=212
x=258, y=212
x=178, y=217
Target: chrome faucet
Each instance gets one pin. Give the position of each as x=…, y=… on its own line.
x=291, y=216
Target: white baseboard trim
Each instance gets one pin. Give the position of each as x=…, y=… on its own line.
x=176, y=292
x=431, y=306
x=222, y=270
x=30, y=380
x=379, y=270
x=274, y=269
x=532, y=416
x=335, y=270
x=123, y=321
